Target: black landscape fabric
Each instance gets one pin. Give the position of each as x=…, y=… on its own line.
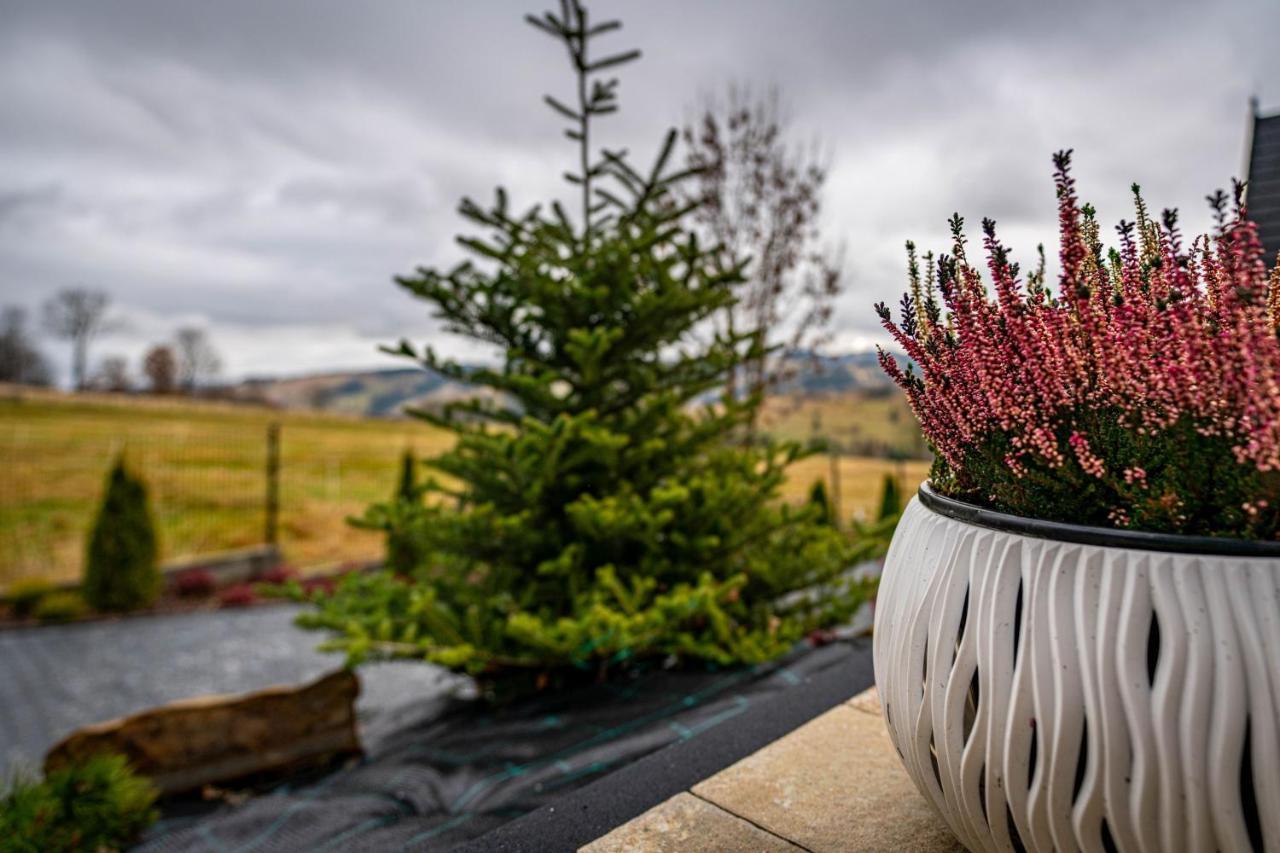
x=468, y=768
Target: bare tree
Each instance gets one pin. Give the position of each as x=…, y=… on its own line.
x=20, y=361
x=112, y=374
x=763, y=200
x=77, y=315
x=198, y=361
x=160, y=366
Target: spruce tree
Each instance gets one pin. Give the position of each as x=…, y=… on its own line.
x=407, y=487
x=403, y=519
x=120, y=563
x=820, y=502
x=594, y=511
x=890, y=499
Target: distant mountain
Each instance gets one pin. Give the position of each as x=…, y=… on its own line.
x=387, y=393
x=375, y=393
x=838, y=374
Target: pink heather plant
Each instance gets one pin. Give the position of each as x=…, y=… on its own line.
x=1145, y=394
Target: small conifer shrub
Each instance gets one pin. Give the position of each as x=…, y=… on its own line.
x=61, y=606
x=406, y=550
x=821, y=503
x=407, y=487
x=402, y=520
x=99, y=805
x=1143, y=393
x=24, y=595
x=890, y=498
x=594, y=514
x=120, y=565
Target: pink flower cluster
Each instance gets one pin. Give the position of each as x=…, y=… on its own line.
x=1155, y=331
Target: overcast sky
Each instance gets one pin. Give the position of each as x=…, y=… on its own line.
x=262, y=168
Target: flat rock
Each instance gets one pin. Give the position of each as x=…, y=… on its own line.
x=685, y=823
x=184, y=745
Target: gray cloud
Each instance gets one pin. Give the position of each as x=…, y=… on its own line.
x=264, y=168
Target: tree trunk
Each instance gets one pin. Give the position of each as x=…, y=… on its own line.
x=79, y=355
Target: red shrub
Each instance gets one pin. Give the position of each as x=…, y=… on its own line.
x=278, y=574
x=240, y=595
x=323, y=585
x=195, y=583
x=1144, y=393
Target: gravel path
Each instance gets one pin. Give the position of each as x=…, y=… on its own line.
x=55, y=679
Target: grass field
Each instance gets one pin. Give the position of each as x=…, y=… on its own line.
x=857, y=424
x=204, y=464
x=861, y=481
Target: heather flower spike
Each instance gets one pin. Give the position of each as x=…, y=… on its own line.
x=1144, y=393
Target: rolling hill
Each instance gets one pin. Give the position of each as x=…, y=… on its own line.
x=387, y=393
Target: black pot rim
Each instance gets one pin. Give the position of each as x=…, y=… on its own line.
x=1141, y=540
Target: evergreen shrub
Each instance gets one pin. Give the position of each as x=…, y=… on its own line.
x=821, y=503
x=65, y=606
x=99, y=805
x=890, y=499
x=24, y=595
x=602, y=506
x=401, y=520
x=121, y=572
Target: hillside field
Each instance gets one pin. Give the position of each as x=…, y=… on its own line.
x=856, y=423
x=205, y=465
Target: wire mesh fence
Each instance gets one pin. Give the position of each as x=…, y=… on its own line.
x=214, y=475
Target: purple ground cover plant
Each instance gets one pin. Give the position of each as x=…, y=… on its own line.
x=1143, y=393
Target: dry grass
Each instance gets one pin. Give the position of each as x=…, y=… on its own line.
x=860, y=424
x=204, y=463
x=861, y=481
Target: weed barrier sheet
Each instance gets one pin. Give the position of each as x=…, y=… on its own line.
x=461, y=769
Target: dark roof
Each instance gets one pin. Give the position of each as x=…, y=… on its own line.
x=1264, y=182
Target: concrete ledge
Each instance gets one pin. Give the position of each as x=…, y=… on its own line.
x=685, y=822
x=592, y=811
x=227, y=567
x=833, y=785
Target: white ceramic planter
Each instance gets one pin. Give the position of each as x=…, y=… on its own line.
x=1092, y=691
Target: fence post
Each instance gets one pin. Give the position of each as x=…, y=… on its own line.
x=834, y=458
x=273, y=481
